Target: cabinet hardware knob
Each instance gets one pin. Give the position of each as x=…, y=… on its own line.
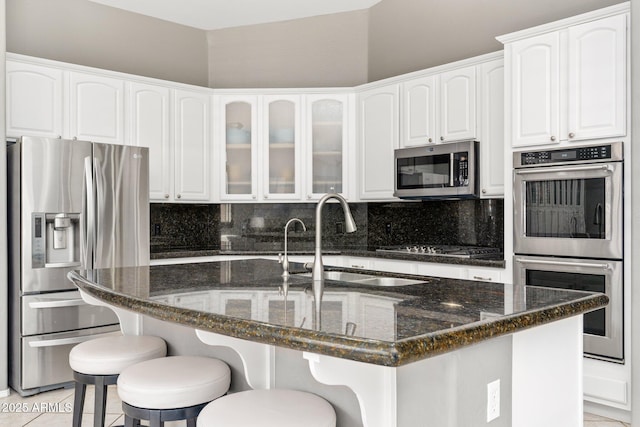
x=266, y=196
x=75, y=138
x=553, y=138
x=59, y=136
x=179, y=196
x=253, y=196
x=308, y=196
x=484, y=191
x=442, y=138
x=572, y=135
x=166, y=196
x=430, y=139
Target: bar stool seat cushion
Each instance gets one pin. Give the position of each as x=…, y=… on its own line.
x=110, y=355
x=268, y=408
x=174, y=382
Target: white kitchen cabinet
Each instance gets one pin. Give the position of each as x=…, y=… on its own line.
x=458, y=104
x=439, y=108
x=237, y=135
x=34, y=100
x=192, y=146
x=327, y=127
x=492, y=144
x=597, y=73
x=53, y=102
x=280, y=153
x=378, y=125
x=569, y=84
x=419, y=111
x=149, y=126
x=96, y=108
x=484, y=274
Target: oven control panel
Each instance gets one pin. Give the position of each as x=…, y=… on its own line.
x=566, y=155
x=588, y=154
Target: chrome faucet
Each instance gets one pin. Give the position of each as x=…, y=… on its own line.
x=285, y=260
x=317, y=274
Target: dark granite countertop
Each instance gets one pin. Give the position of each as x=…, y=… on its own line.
x=497, y=262
x=249, y=299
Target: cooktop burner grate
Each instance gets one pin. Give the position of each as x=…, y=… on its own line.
x=459, y=251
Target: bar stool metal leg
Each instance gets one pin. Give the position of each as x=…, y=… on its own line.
x=78, y=403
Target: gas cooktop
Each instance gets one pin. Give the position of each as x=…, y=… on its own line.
x=458, y=251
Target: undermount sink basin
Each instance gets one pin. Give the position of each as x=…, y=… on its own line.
x=366, y=279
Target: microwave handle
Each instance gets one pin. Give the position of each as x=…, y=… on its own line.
x=564, y=264
x=451, y=169
x=564, y=169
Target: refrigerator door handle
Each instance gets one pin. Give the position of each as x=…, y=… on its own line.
x=66, y=341
x=57, y=304
x=89, y=214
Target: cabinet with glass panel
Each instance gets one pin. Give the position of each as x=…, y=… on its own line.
x=281, y=147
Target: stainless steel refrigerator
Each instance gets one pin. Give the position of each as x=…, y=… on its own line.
x=72, y=205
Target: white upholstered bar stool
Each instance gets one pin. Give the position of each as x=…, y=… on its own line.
x=170, y=389
x=99, y=361
x=268, y=408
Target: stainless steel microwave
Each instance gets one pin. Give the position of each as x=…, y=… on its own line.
x=442, y=171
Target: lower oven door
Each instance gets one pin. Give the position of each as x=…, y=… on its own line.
x=61, y=311
x=603, y=331
x=45, y=358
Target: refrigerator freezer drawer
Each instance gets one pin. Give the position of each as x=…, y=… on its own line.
x=45, y=358
x=61, y=311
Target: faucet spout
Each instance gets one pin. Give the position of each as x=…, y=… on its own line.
x=285, y=259
x=317, y=273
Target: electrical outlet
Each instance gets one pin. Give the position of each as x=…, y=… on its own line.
x=493, y=400
x=156, y=229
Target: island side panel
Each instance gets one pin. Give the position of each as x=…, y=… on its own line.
x=547, y=375
x=450, y=390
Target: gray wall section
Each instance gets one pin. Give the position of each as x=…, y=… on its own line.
x=322, y=51
x=87, y=33
x=345, y=49
x=410, y=35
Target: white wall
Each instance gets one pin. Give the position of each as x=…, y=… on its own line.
x=4, y=321
x=635, y=213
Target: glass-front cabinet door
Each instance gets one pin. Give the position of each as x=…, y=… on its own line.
x=239, y=134
x=280, y=148
x=327, y=129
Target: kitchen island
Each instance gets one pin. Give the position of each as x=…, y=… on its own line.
x=418, y=354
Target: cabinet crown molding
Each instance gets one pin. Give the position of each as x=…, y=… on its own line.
x=616, y=9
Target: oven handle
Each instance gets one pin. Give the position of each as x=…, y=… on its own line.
x=605, y=266
x=57, y=303
x=607, y=168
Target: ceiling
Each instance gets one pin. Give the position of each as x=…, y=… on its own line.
x=216, y=14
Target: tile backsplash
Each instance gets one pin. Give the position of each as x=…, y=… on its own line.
x=260, y=227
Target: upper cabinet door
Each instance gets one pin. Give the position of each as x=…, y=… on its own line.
x=597, y=53
x=280, y=148
x=192, y=146
x=96, y=108
x=34, y=100
x=237, y=133
x=535, y=90
x=419, y=112
x=149, y=127
x=377, y=138
x=492, y=148
x=327, y=144
x=458, y=105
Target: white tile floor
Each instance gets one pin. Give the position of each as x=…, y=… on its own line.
x=54, y=409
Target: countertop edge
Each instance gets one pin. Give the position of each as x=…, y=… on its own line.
x=357, y=349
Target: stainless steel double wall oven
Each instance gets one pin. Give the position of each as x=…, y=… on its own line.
x=568, y=231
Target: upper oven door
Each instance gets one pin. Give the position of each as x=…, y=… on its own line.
x=569, y=210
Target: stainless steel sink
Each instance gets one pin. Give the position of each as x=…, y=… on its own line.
x=366, y=279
